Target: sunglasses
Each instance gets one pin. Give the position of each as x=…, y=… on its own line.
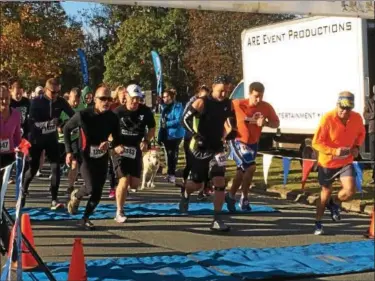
x=347, y=108
x=109, y=99
x=54, y=92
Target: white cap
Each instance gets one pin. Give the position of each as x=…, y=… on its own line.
x=38, y=89
x=134, y=91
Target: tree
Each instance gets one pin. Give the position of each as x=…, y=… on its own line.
x=147, y=29
x=37, y=40
x=215, y=42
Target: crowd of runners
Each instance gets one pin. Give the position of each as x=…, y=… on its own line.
x=99, y=131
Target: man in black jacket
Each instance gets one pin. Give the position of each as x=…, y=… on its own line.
x=369, y=115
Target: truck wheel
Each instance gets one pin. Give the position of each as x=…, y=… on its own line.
x=307, y=152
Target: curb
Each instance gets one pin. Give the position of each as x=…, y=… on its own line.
x=307, y=198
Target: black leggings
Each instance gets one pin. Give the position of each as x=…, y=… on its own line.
x=53, y=154
x=188, y=156
x=5, y=160
x=171, y=147
x=94, y=173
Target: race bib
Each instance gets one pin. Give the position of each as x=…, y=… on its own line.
x=221, y=159
x=95, y=152
x=4, y=146
x=49, y=127
x=244, y=149
x=129, y=152
x=343, y=156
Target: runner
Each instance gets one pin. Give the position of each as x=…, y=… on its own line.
x=111, y=170
x=206, y=119
x=21, y=103
x=134, y=119
x=44, y=113
x=75, y=103
x=121, y=97
x=252, y=115
x=207, y=190
x=339, y=135
x=10, y=138
x=87, y=96
x=96, y=123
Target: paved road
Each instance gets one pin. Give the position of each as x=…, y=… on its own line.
x=180, y=235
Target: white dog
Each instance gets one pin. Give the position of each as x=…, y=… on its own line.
x=151, y=164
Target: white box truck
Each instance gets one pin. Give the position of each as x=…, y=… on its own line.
x=304, y=64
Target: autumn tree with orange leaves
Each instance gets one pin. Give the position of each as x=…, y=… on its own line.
x=37, y=40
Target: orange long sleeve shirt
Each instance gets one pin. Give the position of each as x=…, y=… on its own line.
x=333, y=134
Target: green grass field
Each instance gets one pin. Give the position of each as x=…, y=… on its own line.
x=275, y=176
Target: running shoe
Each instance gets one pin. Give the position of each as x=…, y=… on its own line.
x=334, y=210
x=231, y=203
x=56, y=205
x=112, y=193
x=184, y=204
x=244, y=204
x=86, y=224
x=318, y=228
x=121, y=218
x=219, y=225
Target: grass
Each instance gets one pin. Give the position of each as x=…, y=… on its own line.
x=275, y=176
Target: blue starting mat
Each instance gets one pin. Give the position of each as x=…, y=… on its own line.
x=287, y=262
x=229, y=265
x=108, y=211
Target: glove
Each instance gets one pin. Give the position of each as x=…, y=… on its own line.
x=231, y=136
x=200, y=140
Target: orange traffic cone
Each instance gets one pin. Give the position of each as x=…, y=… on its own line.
x=28, y=261
x=371, y=230
x=77, y=268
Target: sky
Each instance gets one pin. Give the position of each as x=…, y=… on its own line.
x=72, y=8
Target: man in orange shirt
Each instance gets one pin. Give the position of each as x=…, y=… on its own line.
x=252, y=115
x=339, y=135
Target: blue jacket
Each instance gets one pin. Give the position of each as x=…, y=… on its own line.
x=173, y=121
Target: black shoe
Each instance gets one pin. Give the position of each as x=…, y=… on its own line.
x=231, y=203
x=184, y=205
x=201, y=196
x=86, y=224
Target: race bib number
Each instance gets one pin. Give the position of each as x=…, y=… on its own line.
x=129, y=152
x=221, y=159
x=244, y=149
x=49, y=127
x=95, y=152
x=4, y=146
x=347, y=154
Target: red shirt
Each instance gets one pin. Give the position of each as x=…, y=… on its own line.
x=248, y=130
